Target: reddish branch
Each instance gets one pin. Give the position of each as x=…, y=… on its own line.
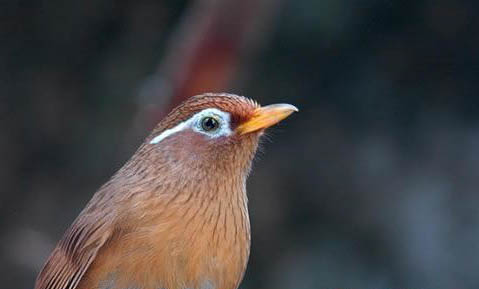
x=205, y=52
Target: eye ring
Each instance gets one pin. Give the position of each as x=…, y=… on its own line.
x=209, y=124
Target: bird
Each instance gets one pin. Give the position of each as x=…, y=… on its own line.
x=175, y=215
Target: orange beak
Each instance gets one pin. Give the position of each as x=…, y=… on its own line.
x=265, y=117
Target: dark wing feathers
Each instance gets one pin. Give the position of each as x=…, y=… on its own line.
x=73, y=255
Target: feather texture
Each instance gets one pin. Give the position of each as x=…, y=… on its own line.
x=174, y=216
x=74, y=254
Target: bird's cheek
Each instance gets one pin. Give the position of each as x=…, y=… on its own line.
x=193, y=145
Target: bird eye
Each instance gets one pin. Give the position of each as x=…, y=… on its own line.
x=209, y=123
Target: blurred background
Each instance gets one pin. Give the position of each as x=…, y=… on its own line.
x=374, y=184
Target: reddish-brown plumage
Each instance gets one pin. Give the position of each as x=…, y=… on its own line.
x=175, y=215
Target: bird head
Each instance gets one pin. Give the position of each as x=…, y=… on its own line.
x=214, y=134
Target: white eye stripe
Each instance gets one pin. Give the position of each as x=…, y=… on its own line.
x=170, y=131
x=194, y=123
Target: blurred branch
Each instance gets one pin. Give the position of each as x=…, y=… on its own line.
x=205, y=51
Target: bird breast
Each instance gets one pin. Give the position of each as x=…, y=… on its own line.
x=192, y=242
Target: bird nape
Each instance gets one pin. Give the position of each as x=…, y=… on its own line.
x=175, y=216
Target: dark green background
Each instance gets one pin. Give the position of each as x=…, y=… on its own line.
x=374, y=184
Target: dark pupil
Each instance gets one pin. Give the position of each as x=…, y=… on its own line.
x=209, y=123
